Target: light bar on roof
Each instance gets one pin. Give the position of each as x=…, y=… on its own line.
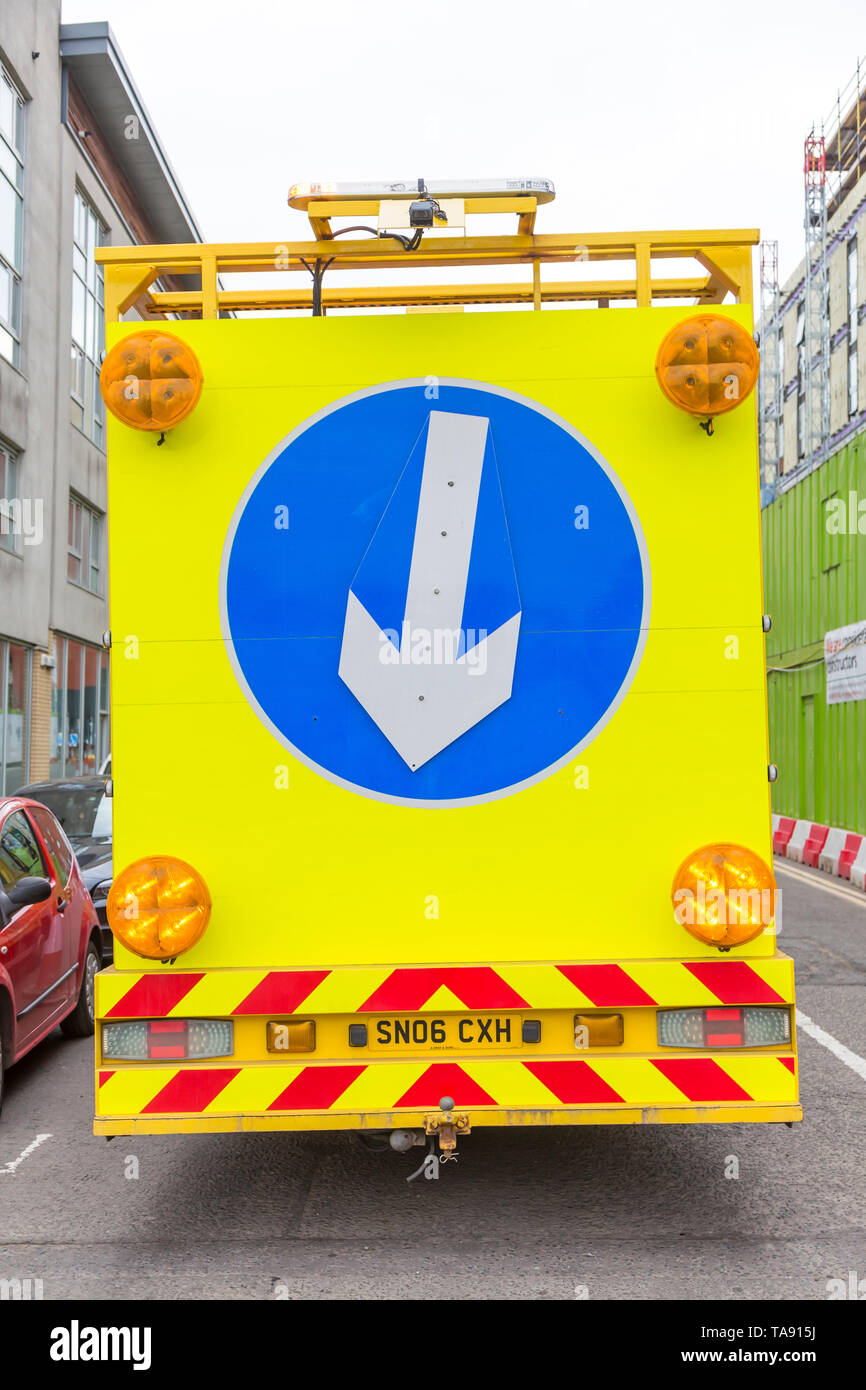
x=301, y=194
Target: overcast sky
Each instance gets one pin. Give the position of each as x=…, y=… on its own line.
x=644, y=115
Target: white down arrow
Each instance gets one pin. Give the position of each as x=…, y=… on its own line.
x=428, y=690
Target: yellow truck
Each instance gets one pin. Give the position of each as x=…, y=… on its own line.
x=440, y=751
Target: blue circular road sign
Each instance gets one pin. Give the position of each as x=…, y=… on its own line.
x=435, y=592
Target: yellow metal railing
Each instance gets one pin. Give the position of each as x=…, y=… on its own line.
x=723, y=257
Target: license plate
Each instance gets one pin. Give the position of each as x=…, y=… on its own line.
x=461, y=1033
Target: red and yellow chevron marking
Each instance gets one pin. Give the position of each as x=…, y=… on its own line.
x=370, y=1088
x=420, y=989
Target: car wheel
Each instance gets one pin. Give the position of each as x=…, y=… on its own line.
x=2, y=1068
x=80, y=1023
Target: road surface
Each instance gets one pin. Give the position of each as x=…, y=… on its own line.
x=607, y=1213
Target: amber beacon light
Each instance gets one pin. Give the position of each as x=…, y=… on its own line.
x=151, y=380
x=707, y=365
x=158, y=907
x=724, y=894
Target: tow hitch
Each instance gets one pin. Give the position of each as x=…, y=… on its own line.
x=445, y=1125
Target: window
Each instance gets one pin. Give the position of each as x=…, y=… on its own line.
x=15, y=670
x=79, y=709
x=88, y=320
x=55, y=842
x=75, y=806
x=84, y=545
x=8, y=493
x=853, y=393
x=20, y=855
x=11, y=216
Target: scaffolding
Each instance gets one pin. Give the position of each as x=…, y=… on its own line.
x=846, y=146
x=815, y=368
x=833, y=165
x=770, y=380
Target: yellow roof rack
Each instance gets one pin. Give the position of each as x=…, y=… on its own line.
x=722, y=260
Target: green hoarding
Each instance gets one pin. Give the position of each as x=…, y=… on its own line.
x=815, y=580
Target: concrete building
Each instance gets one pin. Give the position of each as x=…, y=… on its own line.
x=813, y=352
x=812, y=414
x=80, y=166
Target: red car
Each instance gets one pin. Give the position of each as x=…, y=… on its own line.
x=49, y=933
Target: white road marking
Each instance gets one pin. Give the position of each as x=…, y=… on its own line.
x=25, y=1153
x=832, y=1044
x=851, y=895
x=804, y=1022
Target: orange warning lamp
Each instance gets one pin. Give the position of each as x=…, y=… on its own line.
x=724, y=895
x=158, y=907
x=151, y=380
x=707, y=365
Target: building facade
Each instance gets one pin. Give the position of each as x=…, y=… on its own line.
x=813, y=484
x=80, y=166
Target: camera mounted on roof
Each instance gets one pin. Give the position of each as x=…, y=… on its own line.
x=425, y=211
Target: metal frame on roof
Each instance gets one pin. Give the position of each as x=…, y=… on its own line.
x=723, y=266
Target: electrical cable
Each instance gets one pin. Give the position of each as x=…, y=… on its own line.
x=405, y=242
x=815, y=661
x=317, y=271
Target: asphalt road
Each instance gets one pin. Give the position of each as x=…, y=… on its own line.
x=607, y=1213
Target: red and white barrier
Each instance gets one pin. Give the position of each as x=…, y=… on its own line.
x=828, y=847
x=834, y=844
x=783, y=829
x=815, y=842
x=794, y=847
x=849, y=854
x=858, y=868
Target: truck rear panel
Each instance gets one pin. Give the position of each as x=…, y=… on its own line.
x=521, y=873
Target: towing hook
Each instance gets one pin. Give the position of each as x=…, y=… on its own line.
x=445, y=1126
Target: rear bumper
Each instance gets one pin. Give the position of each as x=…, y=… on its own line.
x=407, y=1119
x=339, y=1087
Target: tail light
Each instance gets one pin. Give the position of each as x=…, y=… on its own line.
x=598, y=1030
x=752, y=1026
x=295, y=1036
x=168, y=1039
